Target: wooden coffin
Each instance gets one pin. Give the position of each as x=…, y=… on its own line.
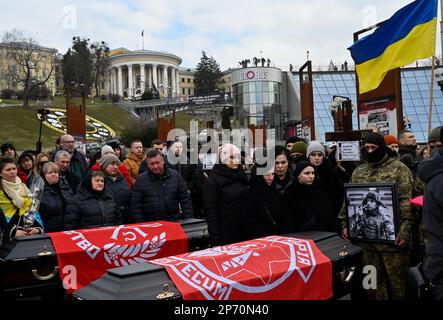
x=29, y=266
x=151, y=282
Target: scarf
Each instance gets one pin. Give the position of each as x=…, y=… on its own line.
x=18, y=192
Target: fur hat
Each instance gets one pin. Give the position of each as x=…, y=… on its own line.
x=107, y=159
x=107, y=149
x=227, y=150
x=315, y=146
x=435, y=135
x=114, y=145
x=299, y=147
x=390, y=139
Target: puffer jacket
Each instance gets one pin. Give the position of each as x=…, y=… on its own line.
x=90, y=209
x=53, y=205
x=160, y=197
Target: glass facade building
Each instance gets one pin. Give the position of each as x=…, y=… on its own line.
x=256, y=99
x=415, y=94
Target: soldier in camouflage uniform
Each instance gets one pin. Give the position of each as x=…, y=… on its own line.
x=371, y=222
x=390, y=261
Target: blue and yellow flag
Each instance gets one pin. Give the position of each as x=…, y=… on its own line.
x=409, y=35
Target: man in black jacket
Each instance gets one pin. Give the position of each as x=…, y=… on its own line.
x=78, y=164
x=160, y=193
x=62, y=159
x=431, y=172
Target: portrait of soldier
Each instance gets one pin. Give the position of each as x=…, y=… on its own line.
x=372, y=220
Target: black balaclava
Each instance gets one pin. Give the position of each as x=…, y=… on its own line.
x=376, y=155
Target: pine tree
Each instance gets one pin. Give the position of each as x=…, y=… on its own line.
x=207, y=75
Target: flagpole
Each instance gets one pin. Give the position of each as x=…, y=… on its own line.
x=143, y=39
x=431, y=96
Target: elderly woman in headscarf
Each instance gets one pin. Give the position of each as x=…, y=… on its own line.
x=15, y=202
x=222, y=194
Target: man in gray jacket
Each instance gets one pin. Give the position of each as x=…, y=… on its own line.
x=431, y=173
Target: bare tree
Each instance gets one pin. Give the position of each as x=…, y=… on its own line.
x=100, y=52
x=34, y=64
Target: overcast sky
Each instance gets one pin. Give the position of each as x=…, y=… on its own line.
x=228, y=30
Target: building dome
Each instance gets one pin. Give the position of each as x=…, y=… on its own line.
x=134, y=72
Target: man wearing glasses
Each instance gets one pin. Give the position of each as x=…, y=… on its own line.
x=78, y=164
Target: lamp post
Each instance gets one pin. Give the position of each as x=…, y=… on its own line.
x=41, y=115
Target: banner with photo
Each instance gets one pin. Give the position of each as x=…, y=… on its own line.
x=378, y=115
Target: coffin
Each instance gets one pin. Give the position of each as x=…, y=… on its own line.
x=152, y=282
x=29, y=266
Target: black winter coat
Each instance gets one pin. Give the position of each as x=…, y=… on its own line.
x=222, y=194
x=53, y=205
x=309, y=208
x=121, y=193
x=283, y=185
x=90, y=209
x=431, y=172
x=160, y=197
x=261, y=210
x=332, y=185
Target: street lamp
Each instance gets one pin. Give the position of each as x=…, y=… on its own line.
x=41, y=115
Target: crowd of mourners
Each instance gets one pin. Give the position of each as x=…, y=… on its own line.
x=302, y=189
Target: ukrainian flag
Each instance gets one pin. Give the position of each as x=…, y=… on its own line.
x=409, y=35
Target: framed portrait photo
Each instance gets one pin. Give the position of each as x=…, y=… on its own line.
x=372, y=212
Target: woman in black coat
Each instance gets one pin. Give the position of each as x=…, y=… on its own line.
x=283, y=171
x=306, y=202
x=54, y=200
x=327, y=175
x=93, y=206
x=260, y=209
x=222, y=194
x=116, y=184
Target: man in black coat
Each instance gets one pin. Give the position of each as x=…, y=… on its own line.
x=431, y=172
x=160, y=193
x=63, y=159
x=78, y=164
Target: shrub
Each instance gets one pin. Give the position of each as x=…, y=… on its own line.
x=114, y=98
x=7, y=94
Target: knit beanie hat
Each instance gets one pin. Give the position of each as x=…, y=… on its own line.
x=227, y=150
x=435, y=135
x=107, y=159
x=114, y=145
x=6, y=146
x=375, y=138
x=302, y=165
x=315, y=146
x=107, y=149
x=299, y=147
x=390, y=139
x=293, y=139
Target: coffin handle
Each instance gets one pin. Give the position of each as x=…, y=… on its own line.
x=347, y=278
x=45, y=278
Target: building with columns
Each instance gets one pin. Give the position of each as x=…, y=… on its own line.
x=134, y=72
